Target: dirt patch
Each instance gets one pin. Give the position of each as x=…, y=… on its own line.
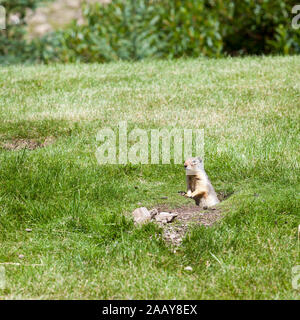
x=31, y=144
x=187, y=216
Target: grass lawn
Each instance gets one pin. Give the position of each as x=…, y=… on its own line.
x=83, y=242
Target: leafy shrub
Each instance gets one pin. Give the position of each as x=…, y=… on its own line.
x=13, y=46
x=137, y=29
x=188, y=28
x=257, y=26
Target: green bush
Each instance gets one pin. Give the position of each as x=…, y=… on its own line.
x=188, y=28
x=138, y=29
x=257, y=26
x=13, y=46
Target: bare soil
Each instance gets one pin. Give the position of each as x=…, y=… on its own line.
x=31, y=144
x=187, y=216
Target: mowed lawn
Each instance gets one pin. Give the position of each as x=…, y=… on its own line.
x=83, y=242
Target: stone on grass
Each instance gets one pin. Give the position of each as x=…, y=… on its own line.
x=141, y=215
x=188, y=268
x=165, y=217
x=153, y=213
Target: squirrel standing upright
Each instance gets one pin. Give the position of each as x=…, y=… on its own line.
x=199, y=187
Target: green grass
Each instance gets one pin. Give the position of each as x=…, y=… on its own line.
x=79, y=211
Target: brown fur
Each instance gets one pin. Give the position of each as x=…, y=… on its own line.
x=199, y=187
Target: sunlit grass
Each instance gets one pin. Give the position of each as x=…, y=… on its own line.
x=82, y=236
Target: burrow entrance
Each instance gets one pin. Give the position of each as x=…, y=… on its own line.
x=187, y=216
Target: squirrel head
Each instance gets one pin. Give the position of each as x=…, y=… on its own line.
x=193, y=164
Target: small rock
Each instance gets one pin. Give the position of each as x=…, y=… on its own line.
x=188, y=268
x=141, y=215
x=153, y=212
x=28, y=230
x=21, y=256
x=165, y=217
x=165, y=198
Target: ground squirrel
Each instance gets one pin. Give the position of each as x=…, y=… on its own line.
x=198, y=185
